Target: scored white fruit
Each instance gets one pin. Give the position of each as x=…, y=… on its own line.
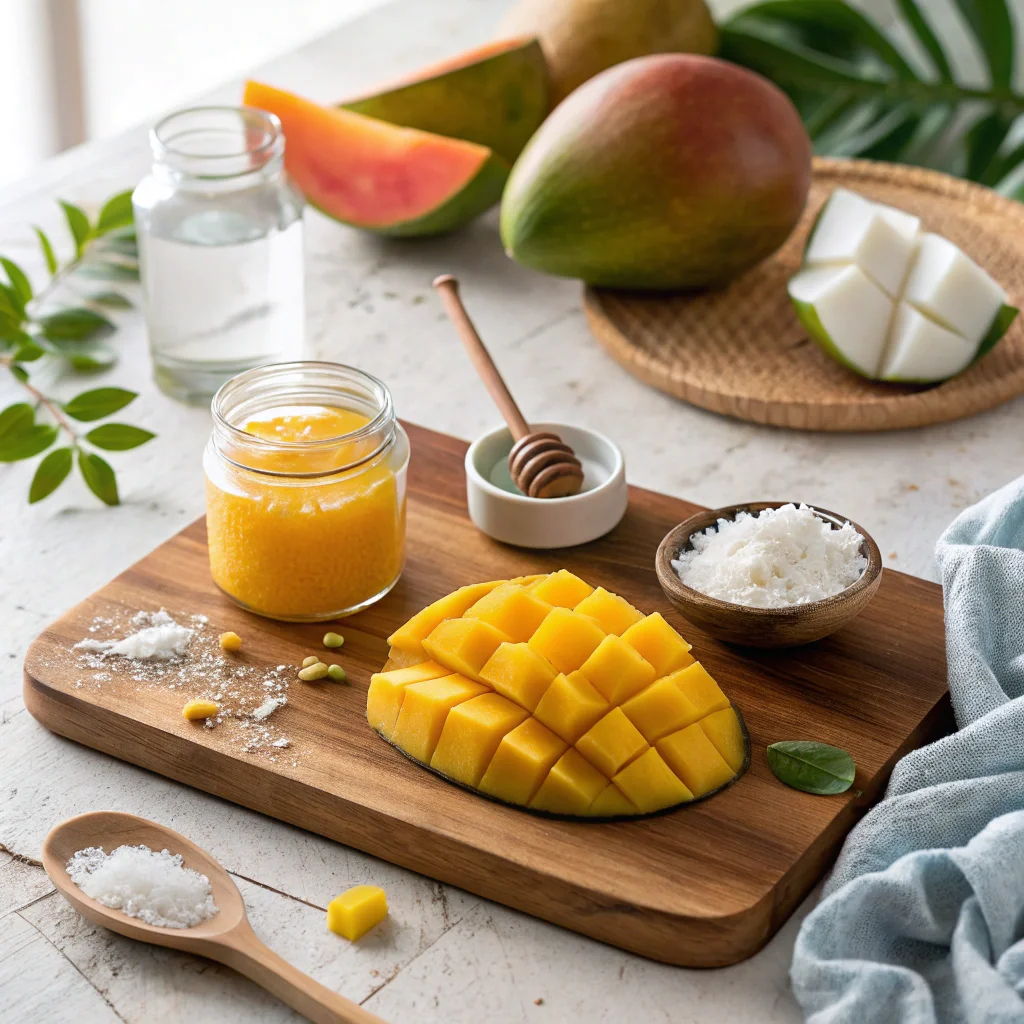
x=920, y=350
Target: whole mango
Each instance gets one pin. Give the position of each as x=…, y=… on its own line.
x=667, y=172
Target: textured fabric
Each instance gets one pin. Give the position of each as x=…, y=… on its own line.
x=922, y=919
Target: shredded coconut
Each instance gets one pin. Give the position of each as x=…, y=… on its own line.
x=161, y=638
x=268, y=707
x=154, y=887
x=776, y=558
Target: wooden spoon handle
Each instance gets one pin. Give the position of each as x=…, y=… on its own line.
x=243, y=952
x=448, y=288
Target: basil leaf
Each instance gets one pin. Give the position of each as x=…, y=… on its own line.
x=99, y=478
x=28, y=352
x=116, y=213
x=118, y=437
x=52, y=472
x=19, y=282
x=48, y=254
x=78, y=224
x=75, y=325
x=26, y=443
x=811, y=767
x=100, y=402
x=16, y=418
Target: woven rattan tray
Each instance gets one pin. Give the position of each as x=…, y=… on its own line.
x=741, y=351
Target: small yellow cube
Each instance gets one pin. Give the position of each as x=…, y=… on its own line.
x=409, y=638
x=518, y=672
x=612, y=743
x=424, y=710
x=572, y=785
x=614, y=614
x=650, y=784
x=513, y=610
x=230, y=641
x=471, y=735
x=521, y=762
x=723, y=729
x=659, y=710
x=693, y=757
x=659, y=644
x=562, y=588
x=387, y=690
x=566, y=639
x=700, y=689
x=616, y=670
x=198, y=710
x=570, y=706
x=464, y=645
x=611, y=802
x=357, y=910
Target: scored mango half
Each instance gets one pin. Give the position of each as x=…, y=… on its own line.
x=549, y=694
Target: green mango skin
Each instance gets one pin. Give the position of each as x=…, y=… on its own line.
x=667, y=172
x=496, y=96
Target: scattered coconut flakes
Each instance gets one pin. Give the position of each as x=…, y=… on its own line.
x=282, y=742
x=161, y=638
x=268, y=707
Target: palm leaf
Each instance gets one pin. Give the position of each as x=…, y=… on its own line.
x=860, y=95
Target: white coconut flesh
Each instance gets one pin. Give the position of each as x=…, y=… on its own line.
x=891, y=302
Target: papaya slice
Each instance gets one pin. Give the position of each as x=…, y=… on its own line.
x=495, y=95
x=374, y=175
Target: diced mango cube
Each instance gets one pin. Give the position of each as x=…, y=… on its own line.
x=724, y=730
x=570, y=706
x=616, y=670
x=650, y=784
x=356, y=911
x=566, y=639
x=611, y=802
x=693, y=757
x=521, y=763
x=700, y=689
x=614, y=614
x=529, y=581
x=464, y=645
x=518, y=672
x=513, y=610
x=424, y=710
x=572, y=785
x=471, y=735
x=659, y=710
x=659, y=643
x=612, y=743
x=562, y=588
x=409, y=638
x=387, y=689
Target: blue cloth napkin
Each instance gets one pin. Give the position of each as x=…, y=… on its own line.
x=922, y=919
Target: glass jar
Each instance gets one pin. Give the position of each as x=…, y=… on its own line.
x=305, y=491
x=220, y=249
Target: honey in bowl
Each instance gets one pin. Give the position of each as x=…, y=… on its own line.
x=305, y=491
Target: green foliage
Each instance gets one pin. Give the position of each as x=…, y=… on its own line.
x=860, y=95
x=36, y=325
x=812, y=767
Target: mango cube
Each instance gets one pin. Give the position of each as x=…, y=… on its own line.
x=724, y=730
x=471, y=734
x=425, y=709
x=572, y=785
x=613, y=614
x=700, y=689
x=409, y=638
x=612, y=743
x=657, y=642
x=566, y=639
x=570, y=706
x=616, y=670
x=464, y=645
x=562, y=588
x=518, y=672
x=694, y=758
x=650, y=784
x=521, y=763
x=387, y=690
x=611, y=802
x=659, y=710
x=513, y=610
x=356, y=911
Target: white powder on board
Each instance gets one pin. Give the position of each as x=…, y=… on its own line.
x=160, y=639
x=776, y=558
x=154, y=887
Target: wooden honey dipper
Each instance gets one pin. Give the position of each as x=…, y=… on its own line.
x=541, y=464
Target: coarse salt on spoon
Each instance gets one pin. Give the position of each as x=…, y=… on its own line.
x=541, y=464
x=227, y=937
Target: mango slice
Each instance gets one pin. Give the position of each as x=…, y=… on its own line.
x=552, y=695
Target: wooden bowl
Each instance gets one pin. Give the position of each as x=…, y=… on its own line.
x=764, y=627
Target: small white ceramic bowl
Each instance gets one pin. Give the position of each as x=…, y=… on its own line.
x=503, y=512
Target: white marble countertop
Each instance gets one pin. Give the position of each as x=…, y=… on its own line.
x=444, y=955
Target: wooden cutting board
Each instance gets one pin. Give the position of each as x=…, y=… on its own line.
x=703, y=886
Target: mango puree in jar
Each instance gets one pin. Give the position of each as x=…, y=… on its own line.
x=310, y=546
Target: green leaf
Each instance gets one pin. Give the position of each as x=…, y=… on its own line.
x=992, y=26
x=9, y=307
x=26, y=443
x=76, y=324
x=118, y=437
x=86, y=356
x=100, y=402
x=115, y=300
x=116, y=213
x=78, y=225
x=926, y=37
x=109, y=271
x=19, y=282
x=119, y=246
x=50, y=474
x=812, y=767
x=16, y=418
x=98, y=477
x=28, y=352
x=48, y=254
x=19, y=372
x=983, y=140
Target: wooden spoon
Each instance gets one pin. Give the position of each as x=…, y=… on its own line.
x=226, y=937
x=541, y=464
